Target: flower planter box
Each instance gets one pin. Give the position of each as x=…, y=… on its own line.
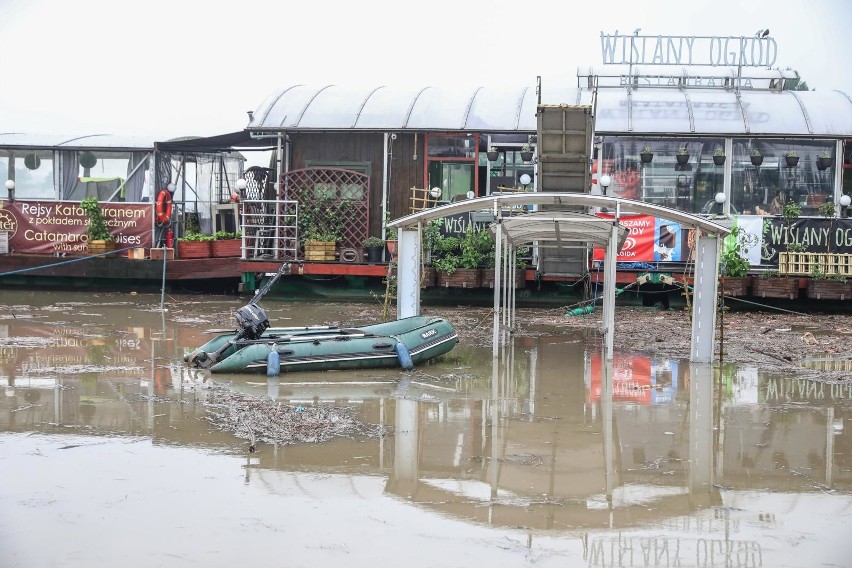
x=226, y=248
x=193, y=249
x=736, y=286
x=829, y=290
x=100, y=247
x=775, y=287
x=158, y=253
x=488, y=278
x=461, y=278
x=321, y=251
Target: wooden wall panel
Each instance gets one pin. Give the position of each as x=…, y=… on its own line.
x=406, y=164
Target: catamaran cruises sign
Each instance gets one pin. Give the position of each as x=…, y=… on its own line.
x=688, y=50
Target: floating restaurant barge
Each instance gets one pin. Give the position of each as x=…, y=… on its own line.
x=737, y=144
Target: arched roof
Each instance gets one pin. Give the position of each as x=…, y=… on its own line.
x=509, y=202
x=512, y=108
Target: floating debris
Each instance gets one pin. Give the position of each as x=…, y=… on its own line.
x=261, y=420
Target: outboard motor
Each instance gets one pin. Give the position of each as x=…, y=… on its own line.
x=251, y=321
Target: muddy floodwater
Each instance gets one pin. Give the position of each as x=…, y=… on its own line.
x=114, y=454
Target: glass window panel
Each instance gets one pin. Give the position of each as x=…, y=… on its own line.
x=33, y=177
x=689, y=187
x=764, y=189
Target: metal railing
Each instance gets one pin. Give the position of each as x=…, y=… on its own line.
x=270, y=229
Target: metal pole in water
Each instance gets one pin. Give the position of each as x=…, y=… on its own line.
x=163, y=285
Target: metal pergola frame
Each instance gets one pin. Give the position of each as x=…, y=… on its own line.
x=567, y=223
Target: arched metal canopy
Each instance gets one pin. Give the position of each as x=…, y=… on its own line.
x=566, y=223
x=500, y=203
x=563, y=229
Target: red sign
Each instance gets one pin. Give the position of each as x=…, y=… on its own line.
x=631, y=379
x=60, y=226
x=639, y=244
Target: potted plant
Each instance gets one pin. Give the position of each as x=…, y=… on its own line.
x=194, y=245
x=646, y=155
x=824, y=160
x=492, y=154
x=320, y=228
x=719, y=157
x=99, y=239
x=756, y=157
x=431, y=235
x=735, y=265
x=374, y=247
x=792, y=158
x=791, y=211
x=828, y=209
x=526, y=153
x=682, y=155
x=226, y=244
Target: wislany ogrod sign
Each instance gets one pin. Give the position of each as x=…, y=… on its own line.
x=617, y=49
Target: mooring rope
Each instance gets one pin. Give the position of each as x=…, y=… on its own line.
x=63, y=262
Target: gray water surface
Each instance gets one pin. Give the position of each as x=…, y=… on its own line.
x=109, y=458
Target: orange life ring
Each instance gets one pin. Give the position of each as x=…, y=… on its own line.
x=164, y=206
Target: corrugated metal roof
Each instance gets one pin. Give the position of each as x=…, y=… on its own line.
x=650, y=110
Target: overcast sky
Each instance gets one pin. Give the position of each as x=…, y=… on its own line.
x=167, y=68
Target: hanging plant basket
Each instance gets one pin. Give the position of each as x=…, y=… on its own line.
x=824, y=163
x=756, y=160
x=526, y=155
x=88, y=160
x=32, y=162
x=792, y=161
x=719, y=160
x=682, y=158
x=646, y=157
x=492, y=154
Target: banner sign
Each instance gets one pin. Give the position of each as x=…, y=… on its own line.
x=57, y=227
x=815, y=235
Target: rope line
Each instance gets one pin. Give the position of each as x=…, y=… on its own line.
x=63, y=262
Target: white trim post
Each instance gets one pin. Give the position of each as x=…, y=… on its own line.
x=705, y=289
x=408, y=273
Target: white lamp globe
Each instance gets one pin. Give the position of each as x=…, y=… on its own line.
x=171, y=188
x=435, y=192
x=241, y=184
x=10, y=184
x=719, y=197
x=605, y=181
x=525, y=179
x=845, y=200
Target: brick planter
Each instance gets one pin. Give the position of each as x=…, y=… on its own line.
x=461, y=278
x=226, y=248
x=193, y=249
x=775, y=287
x=829, y=290
x=488, y=278
x=736, y=286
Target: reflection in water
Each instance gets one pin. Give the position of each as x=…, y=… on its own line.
x=637, y=462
